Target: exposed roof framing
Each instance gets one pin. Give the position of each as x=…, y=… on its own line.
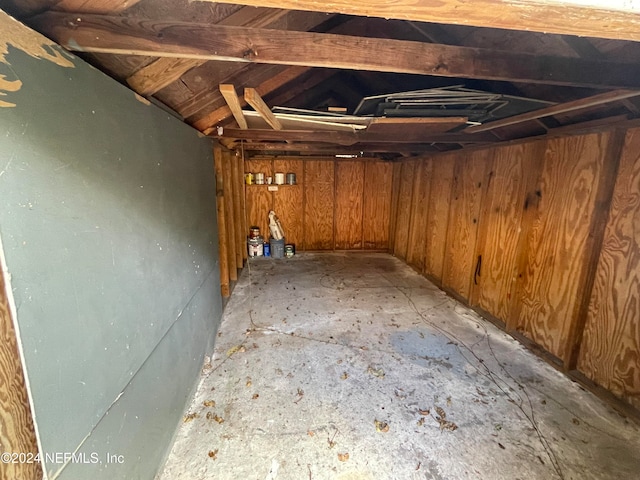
x=606, y=18
x=204, y=60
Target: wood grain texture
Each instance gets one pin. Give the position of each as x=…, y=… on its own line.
x=164, y=71
x=319, y=204
x=395, y=196
x=237, y=191
x=230, y=218
x=258, y=199
x=403, y=214
x=378, y=178
x=243, y=204
x=470, y=175
x=593, y=245
x=288, y=201
x=557, y=240
x=349, y=204
x=547, y=17
x=499, y=228
x=112, y=34
x=416, y=248
x=228, y=91
x=438, y=215
x=610, y=353
x=223, y=249
x=17, y=433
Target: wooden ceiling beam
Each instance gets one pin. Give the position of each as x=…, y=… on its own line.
x=336, y=149
x=572, y=106
x=349, y=138
x=229, y=93
x=605, y=19
x=164, y=71
x=116, y=35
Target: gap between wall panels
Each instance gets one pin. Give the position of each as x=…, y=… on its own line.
x=539, y=237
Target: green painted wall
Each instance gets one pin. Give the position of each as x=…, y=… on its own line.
x=108, y=227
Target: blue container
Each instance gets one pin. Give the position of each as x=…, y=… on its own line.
x=267, y=249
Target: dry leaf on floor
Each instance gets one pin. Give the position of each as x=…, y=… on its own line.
x=255, y=396
x=218, y=419
x=236, y=349
x=381, y=426
x=344, y=376
x=190, y=416
x=343, y=457
x=421, y=422
x=209, y=416
x=248, y=383
x=424, y=412
x=311, y=433
x=213, y=454
x=209, y=403
x=441, y=413
x=376, y=372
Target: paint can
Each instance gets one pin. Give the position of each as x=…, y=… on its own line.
x=277, y=247
x=254, y=231
x=248, y=178
x=266, y=248
x=279, y=177
x=269, y=180
x=259, y=178
x=255, y=247
x=291, y=178
x=289, y=250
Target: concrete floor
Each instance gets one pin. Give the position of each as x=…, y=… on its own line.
x=352, y=366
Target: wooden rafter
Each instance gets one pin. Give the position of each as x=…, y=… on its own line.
x=270, y=84
x=552, y=16
x=572, y=106
x=164, y=71
x=253, y=98
x=229, y=93
x=107, y=34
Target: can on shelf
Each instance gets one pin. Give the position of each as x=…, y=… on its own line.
x=254, y=231
x=259, y=178
x=248, y=178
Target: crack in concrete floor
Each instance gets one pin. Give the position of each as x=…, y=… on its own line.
x=316, y=354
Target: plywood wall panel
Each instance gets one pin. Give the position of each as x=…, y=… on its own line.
x=287, y=201
x=17, y=433
x=259, y=201
x=319, y=204
x=417, y=232
x=610, y=353
x=378, y=177
x=403, y=215
x=556, y=245
x=500, y=226
x=349, y=197
x=438, y=215
x=460, y=256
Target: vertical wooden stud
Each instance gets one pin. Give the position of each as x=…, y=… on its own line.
x=223, y=251
x=230, y=220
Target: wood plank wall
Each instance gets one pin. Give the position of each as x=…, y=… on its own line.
x=516, y=231
x=17, y=433
x=335, y=205
x=232, y=246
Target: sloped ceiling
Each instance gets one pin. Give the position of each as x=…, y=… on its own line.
x=178, y=53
